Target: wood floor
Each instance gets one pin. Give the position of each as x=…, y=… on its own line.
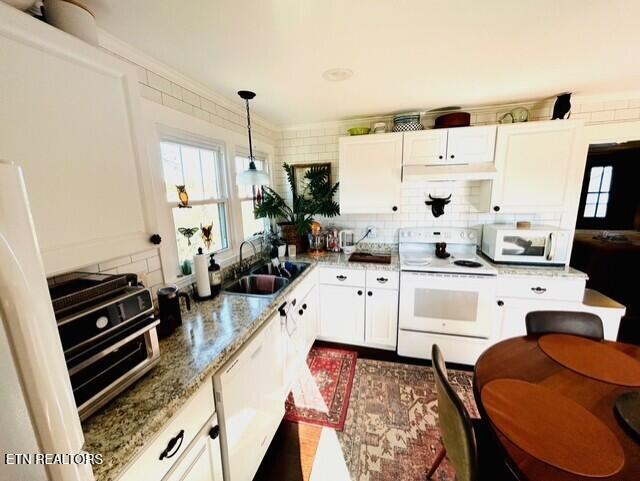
x=291, y=453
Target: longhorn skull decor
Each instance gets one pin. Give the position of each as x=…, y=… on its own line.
x=437, y=204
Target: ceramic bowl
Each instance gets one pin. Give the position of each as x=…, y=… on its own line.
x=359, y=131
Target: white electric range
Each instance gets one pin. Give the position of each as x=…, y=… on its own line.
x=450, y=300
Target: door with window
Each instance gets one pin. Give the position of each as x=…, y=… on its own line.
x=196, y=197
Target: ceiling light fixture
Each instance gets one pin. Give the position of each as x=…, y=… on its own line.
x=251, y=176
x=337, y=74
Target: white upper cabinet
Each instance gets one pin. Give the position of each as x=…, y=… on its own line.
x=471, y=145
x=462, y=145
x=425, y=147
x=370, y=171
x=539, y=167
x=70, y=118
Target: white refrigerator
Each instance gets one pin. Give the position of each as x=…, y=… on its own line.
x=37, y=410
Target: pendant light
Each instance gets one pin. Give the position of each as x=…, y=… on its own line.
x=251, y=176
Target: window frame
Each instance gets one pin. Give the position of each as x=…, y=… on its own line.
x=259, y=156
x=224, y=195
x=598, y=193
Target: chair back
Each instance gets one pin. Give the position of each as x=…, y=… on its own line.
x=582, y=324
x=455, y=423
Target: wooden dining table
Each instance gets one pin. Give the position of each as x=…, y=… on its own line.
x=521, y=358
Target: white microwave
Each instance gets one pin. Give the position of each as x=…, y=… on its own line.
x=538, y=245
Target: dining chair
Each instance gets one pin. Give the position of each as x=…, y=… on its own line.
x=582, y=324
x=466, y=441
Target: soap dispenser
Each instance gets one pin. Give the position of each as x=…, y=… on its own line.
x=215, y=276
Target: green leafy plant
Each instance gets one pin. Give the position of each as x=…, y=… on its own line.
x=315, y=199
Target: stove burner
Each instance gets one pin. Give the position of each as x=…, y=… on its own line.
x=466, y=263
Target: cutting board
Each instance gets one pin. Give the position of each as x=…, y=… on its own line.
x=372, y=258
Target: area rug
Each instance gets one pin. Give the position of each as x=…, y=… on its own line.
x=391, y=432
x=321, y=393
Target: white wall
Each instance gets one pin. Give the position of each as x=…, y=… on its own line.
x=176, y=102
x=319, y=143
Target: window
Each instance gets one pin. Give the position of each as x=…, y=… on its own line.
x=250, y=225
x=598, y=192
x=199, y=169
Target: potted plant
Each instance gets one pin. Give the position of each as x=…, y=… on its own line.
x=316, y=198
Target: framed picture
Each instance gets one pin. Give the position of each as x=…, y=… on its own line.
x=299, y=171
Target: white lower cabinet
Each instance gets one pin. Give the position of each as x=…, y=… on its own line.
x=176, y=451
x=249, y=401
x=364, y=312
x=342, y=313
x=381, y=320
x=308, y=315
x=519, y=296
x=202, y=461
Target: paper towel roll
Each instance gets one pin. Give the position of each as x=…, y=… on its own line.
x=201, y=266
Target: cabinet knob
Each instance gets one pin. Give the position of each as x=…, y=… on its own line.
x=293, y=303
x=300, y=312
x=394, y=208
x=304, y=306
x=441, y=157
x=359, y=293
x=496, y=208
x=452, y=156
x=155, y=239
x=539, y=290
x=501, y=303
x=382, y=280
x=341, y=277
x=369, y=293
x=214, y=432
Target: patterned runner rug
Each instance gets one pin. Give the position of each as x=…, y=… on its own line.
x=321, y=393
x=391, y=432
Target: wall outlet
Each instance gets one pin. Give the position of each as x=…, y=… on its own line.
x=373, y=232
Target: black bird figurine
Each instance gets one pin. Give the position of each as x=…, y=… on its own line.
x=562, y=107
x=437, y=204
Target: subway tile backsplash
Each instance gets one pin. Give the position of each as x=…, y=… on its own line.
x=145, y=264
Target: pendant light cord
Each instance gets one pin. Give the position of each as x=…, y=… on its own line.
x=252, y=164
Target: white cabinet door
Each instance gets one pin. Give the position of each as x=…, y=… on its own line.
x=293, y=332
x=249, y=402
x=202, y=462
x=308, y=315
x=370, y=173
x=425, y=147
x=70, y=118
x=471, y=145
x=342, y=313
x=381, y=322
x=539, y=167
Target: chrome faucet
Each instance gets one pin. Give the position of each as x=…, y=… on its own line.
x=240, y=253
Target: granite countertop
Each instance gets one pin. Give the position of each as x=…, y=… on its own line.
x=342, y=260
x=211, y=333
x=539, y=271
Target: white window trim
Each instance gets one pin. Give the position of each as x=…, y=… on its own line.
x=164, y=122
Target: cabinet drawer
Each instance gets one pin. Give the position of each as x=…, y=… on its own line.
x=541, y=288
x=183, y=427
x=342, y=277
x=382, y=279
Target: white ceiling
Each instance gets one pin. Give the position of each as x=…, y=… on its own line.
x=406, y=54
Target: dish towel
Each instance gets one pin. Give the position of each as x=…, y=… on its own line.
x=265, y=283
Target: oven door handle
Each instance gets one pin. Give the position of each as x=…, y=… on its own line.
x=113, y=347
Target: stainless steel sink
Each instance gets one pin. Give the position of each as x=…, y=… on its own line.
x=254, y=285
x=294, y=268
x=249, y=285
